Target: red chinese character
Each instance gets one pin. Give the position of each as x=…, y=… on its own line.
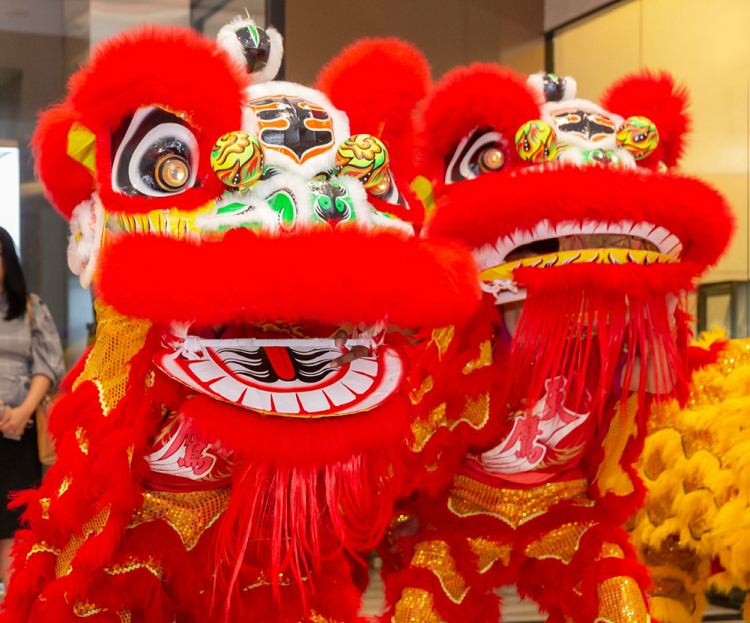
x=194, y=458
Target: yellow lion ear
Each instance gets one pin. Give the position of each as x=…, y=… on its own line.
x=422, y=187
x=81, y=145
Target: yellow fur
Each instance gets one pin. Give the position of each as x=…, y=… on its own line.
x=696, y=466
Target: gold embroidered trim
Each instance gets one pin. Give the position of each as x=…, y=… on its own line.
x=442, y=338
x=150, y=564
x=484, y=359
x=611, y=550
x=488, y=552
x=189, y=513
x=476, y=414
x=64, y=485
x=513, y=506
x=416, y=606
x=83, y=442
x=435, y=556
x=44, y=503
x=416, y=396
x=561, y=543
x=42, y=547
x=621, y=601
x=319, y=618
x=94, y=527
x=84, y=609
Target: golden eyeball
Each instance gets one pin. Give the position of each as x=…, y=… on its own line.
x=491, y=159
x=238, y=159
x=536, y=142
x=639, y=136
x=172, y=172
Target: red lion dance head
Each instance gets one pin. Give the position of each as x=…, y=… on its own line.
x=577, y=212
x=230, y=225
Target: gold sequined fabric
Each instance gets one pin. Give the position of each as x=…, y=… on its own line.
x=133, y=563
x=64, y=485
x=125, y=616
x=621, y=601
x=442, y=339
x=189, y=513
x=488, y=552
x=435, y=556
x=83, y=441
x=416, y=395
x=42, y=547
x=416, y=606
x=561, y=543
x=319, y=618
x=513, y=506
x=484, y=359
x=476, y=414
x=93, y=527
x=610, y=550
x=83, y=609
x=118, y=340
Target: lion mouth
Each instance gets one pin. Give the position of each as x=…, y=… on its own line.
x=286, y=377
x=572, y=242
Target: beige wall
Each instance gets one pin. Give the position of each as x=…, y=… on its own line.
x=705, y=46
x=449, y=32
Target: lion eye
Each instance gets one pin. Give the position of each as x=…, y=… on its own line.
x=155, y=154
x=482, y=151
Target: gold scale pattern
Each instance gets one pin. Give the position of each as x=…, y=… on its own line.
x=416, y=606
x=621, y=601
x=513, y=506
x=476, y=413
x=488, y=552
x=118, y=340
x=63, y=565
x=561, y=543
x=435, y=556
x=190, y=513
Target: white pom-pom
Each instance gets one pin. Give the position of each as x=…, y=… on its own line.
x=227, y=39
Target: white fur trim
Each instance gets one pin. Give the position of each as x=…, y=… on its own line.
x=228, y=41
x=317, y=164
x=84, y=244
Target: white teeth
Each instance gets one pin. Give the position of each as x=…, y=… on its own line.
x=151, y=228
x=314, y=401
x=206, y=370
x=285, y=402
x=338, y=394
x=659, y=235
x=365, y=366
x=228, y=388
x=256, y=399
x=358, y=383
x=489, y=255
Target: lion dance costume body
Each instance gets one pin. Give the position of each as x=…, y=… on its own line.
x=527, y=435
x=694, y=528
x=212, y=464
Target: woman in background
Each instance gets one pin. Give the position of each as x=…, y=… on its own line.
x=31, y=362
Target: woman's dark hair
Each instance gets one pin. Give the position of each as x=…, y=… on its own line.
x=14, y=283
